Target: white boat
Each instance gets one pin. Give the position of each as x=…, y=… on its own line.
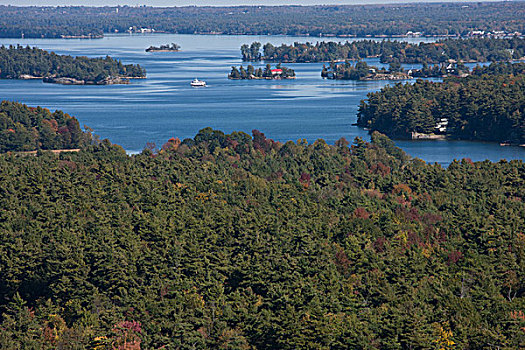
x=197, y=83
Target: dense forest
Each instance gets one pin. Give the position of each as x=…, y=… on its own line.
x=279, y=72
x=486, y=105
x=445, y=50
x=25, y=128
x=458, y=19
x=239, y=242
x=19, y=62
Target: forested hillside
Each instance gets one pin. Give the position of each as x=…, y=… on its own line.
x=18, y=61
x=240, y=242
x=489, y=105
x=374, y=20
x=445, y=50
x=25, y=128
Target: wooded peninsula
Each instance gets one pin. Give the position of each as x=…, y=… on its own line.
x=445, y=50
x=18, y=62
x=487, y=105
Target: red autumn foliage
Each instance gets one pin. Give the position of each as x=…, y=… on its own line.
x=431, y=218
x=305, y=179
x=454, y=257
x=127, y=335
x=342, y=261
x=67, y=164
x=413, y=239
x=517, y=315
x=63, y=130
x=52, y=123
x=232, y=143
x=261, y=143
x=276, y=175
x=172, y=144
x=379, y=244
x=374, y=194
x=361, y=213
x=380, y=169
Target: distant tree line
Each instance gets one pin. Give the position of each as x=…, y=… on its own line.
x=486, y=106
x=25, y=128
x=445, y=50
x=374, y=20
x=18, y=61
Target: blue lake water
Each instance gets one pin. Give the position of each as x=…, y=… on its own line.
x=165, y=105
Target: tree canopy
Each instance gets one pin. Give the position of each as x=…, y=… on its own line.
x=24, y=128
x=232, y=241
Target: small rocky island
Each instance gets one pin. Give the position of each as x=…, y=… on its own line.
x=269, y=73
x=164, y=48
x=64, y=69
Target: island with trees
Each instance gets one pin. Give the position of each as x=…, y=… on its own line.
x=269, y=73
x=362, y=71
x=24, y=129
x=164, y=48
x=236, y=241
x=413, y=19
x=487, y=105
x=444, y=50
x=19, y=62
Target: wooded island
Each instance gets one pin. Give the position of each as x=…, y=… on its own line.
x=164, y=48
x=445, y=50
x=18, y=62
x=277, y=73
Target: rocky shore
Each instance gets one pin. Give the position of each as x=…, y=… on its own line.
x=73, y=81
